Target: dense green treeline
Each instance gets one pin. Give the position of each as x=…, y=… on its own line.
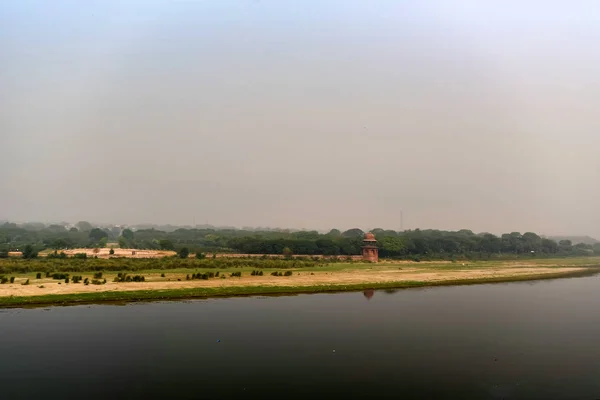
x=407, y=244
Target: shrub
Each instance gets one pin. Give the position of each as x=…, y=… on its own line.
x=26, y=283
x=12, y=279
x=76, y=279
x=86, y=281
x=274, y=273
x=47, y=274
x=187, y=277
x=238, y=274
x=38, y=275
x=162, y=275
x=288, y=273
x=97, y=282
x=98, y=275
x=184, y=253
x=67, y=279
x=80, y=256
x=217, y=274
x=29, y=253
x=111, y=251
x=3, y=280
x=200, y=256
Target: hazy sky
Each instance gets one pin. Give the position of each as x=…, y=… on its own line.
x=482, y=115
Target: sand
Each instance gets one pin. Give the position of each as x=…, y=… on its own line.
x=299, y=278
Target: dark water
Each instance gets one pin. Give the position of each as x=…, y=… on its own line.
x=506, y=341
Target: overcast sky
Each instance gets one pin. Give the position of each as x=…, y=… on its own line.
x=303, y=114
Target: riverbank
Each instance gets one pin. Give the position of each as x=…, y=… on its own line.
x=174, y=284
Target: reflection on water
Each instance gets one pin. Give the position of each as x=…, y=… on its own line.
x=512, y=341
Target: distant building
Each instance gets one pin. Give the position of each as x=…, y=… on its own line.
x=370, y=252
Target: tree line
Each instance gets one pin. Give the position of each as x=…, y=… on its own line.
x=392, y=244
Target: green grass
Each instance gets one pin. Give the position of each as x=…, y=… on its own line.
x=178, y=294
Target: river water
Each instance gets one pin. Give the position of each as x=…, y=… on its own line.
x=529, y=340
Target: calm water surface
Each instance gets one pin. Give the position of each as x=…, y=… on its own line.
x=506, y=341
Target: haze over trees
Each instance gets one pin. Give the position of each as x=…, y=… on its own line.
x=407, y=244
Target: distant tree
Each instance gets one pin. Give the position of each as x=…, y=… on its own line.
x=353, y=233
x=334, y=233
x=200, y=255
x=97, y=234
x=3, y=253
x=166, y=244
x=84, y=226
x=127, y=234
x=111, y=251
x=184, y=252
x=102, y=242
x=73, y=229
x=122, y=242
x=29, y=252
x=287, y=252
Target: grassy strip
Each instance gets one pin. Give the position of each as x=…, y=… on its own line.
x=231, y=291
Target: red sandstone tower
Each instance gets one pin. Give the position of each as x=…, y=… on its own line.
x=370, y=252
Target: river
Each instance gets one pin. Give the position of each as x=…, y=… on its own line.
x=527, y=340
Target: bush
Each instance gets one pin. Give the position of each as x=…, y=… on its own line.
x=76, y=279
x=12, y=279
x=86, y=281
x=38, y=275
x=111, y=251
x=60, y=276
x=200, y=256
x=162, y=275
x=98, y=275
x=80, y=256
x=238, y=274
x=3, y=280
x=29, y=253
x=275, y=273
x=67, y=279
x=288, y=273
x=56, y=255
x=184, y=253
x=98, y=282
x=26, y=283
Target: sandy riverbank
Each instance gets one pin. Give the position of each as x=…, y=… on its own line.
x=299, y=279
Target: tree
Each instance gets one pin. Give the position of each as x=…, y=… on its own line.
x=84, y=226
x=184, y=252
x=29, y=252
x=353, y=233
x=122, y=242
x=127, y=234
x=111, y=251
x=287, y=252
x=97, y=234
x=102, y=242
x=166, y=244
x=334, y=233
